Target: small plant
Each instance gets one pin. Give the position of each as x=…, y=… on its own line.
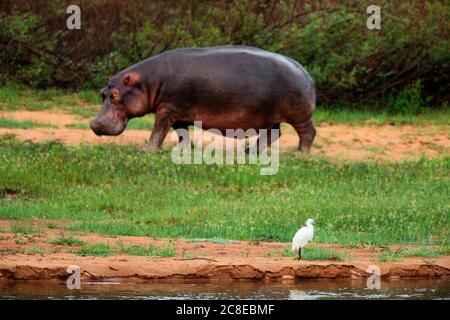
x=407, y=101
x=390, y=255
x=168, y=251
x=288, y=253
x=52, y=225
x=314, y=253
x=425, y=252
x=6, y=251
x=151, y=250
x=33, y=250
x=23, y=228
x=193, y=255
x=96, y=249
x=270, y=254
x=67, y=241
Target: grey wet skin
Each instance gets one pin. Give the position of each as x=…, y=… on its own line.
x=225, y=87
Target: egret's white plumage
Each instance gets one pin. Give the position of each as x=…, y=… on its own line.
x=302, y=237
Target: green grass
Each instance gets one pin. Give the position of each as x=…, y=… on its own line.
x=15, y=97
x=150, y=251
x=7, y=251
x=79, y=125
x=121, y=190
x=23, y=228
x=102, y=249
x=314, y=253
x=426, y=252
x=213, y=240
x=360, y=117
x=144, y=123
x=96, y=249
x=52, y=225
x=67, y=241
x=33, y=250
x=391, y=255
x=194, y=255
x=90, y=96
x=24, y=124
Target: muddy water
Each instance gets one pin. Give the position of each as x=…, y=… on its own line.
x=307, y=289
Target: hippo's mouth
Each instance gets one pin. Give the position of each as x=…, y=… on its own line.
x=102, y=129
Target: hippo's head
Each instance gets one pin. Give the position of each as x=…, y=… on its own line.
x=124, y=98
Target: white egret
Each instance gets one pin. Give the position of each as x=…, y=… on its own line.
x=302, y=237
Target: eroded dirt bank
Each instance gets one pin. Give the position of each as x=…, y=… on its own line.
x=195, y=259
x=54, y=266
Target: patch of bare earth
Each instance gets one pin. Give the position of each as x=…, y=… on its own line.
x=195, y=260
x=345, y=142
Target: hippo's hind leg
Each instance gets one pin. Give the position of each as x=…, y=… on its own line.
x=307, y=132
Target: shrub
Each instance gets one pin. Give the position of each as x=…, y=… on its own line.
x=407, y=58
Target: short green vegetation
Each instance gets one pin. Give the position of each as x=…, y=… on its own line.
x=24, y=124
x=151, y=250
x=96, y=249
x=102, y=249
x=121, y=190
x=23, y=228
x=315, y=253
x=15, y=97
x=391, y=255
x=426, y=252
x=360, y=117
x=33, y=250
x=67, y=241
x=144, y=123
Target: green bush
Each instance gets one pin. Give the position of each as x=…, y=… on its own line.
x=407, y=59
x=408, y=100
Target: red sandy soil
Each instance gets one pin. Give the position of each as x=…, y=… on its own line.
x=195, y=260
x=367, y=142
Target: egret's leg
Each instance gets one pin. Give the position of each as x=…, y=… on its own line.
x=300, y=254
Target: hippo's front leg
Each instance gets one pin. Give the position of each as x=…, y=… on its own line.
x=163, y=122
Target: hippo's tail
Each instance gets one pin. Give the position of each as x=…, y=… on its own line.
x=313, y=97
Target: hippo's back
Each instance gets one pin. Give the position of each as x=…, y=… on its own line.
x=243, y=60
x=238, y=74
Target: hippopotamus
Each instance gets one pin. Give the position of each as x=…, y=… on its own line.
x=224, y=87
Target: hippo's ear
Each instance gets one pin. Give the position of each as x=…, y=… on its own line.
x=126, y=80
x=103, y=93
x=131, y=78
